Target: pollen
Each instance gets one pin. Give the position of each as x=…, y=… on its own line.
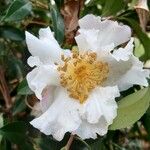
x=81, y=73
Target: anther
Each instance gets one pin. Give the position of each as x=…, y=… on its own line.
x=62, y=57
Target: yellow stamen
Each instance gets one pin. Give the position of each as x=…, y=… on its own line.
x=81, y=73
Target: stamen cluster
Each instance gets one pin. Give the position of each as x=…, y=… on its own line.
x=81, y=73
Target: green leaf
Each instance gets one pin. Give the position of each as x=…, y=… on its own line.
x=112, y=7
x=143, y=37
x=14, y=132
x=139, y=49
x=11, y=33
x=131, y=109
x=19, y=104
x=58, y=24
x=18, y=10
x=15, y=67
x=23, y=88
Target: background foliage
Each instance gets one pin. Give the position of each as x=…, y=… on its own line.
x=16, y=99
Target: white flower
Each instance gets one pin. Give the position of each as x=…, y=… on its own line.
x=77, y=90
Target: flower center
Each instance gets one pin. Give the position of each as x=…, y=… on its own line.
x=81, y=73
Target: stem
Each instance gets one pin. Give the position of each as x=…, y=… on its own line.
x=68, y=145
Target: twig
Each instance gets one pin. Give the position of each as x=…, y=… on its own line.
x=68, y=145
x=39, y=4
x=4, y=89
x=38, y=22
x=27, y=23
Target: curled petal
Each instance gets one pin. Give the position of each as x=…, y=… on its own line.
x=101, y=103
x=40, y=77
x=124, y=53
x=87, y=130
x=34, y=61
x=107, y=32
x=136, y=75
x=125, y=74
x=61, y=117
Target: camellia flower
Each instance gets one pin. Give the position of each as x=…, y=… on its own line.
x=77, y=89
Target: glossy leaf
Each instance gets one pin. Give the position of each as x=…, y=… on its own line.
x=112, y=7
x=58, y=24
x=131, y=109
x=11, y=33
x=18, y=10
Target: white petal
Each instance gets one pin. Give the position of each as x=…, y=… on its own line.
x=136, y=75
x=124, y=53
x=98, y=112
x=66, y=53
x=125, y=74
x=42, y=76
x=43, y=105
x=82, y=42
x=34, y=61
x=47, y=97
x=61, y=117
x=110, y=32
x=90, y=21
x=46, y=48
x=101, y=103
x=47, y=34
x=87, y=39
x=87, y=130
